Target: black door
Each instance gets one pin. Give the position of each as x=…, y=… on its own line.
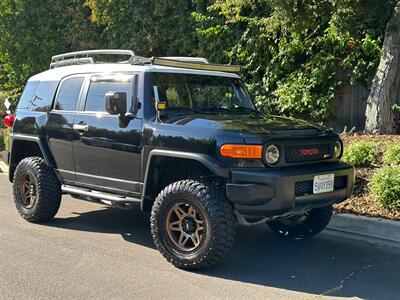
x=59, y=127
x=107, y=154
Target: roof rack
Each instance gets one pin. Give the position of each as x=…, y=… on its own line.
x=86, y=57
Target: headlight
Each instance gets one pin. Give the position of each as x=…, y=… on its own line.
x=272, y=154
x=338, y=149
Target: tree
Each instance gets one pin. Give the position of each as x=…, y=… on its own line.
x=148, y=27
x=384, y=96
x=298, y=54
x=33, y=31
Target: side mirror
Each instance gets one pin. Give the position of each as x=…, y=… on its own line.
x=115, y=103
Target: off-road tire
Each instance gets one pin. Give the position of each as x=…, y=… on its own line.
x=314, y=223
x=219, y=219
x=48, y=189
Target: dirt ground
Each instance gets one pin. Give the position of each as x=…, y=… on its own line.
x=362, y=202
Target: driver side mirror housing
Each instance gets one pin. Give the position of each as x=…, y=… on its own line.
x=115, y=103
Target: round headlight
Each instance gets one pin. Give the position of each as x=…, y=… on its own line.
x=338, y=149
x=272, y=154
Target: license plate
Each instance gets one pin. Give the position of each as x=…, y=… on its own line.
x=323, y=183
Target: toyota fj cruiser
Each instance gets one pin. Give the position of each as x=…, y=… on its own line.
x=181, y=137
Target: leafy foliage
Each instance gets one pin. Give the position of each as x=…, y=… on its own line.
x=298, y=54
x=361, y=153
x=32, y=31
x=391, y=156
x=385, y=186
x=149, y=27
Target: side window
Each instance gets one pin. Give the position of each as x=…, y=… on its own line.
x=97, y=91
x=25, y=102
x=68, y=94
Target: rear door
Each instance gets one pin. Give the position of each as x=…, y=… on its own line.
x=107, y=154
x=59, y=127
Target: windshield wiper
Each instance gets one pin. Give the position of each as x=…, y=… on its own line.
x=238, y=109
x=244, y=109
x=183, y=110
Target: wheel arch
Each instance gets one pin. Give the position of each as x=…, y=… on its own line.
x=23, y=146
x=166, y=166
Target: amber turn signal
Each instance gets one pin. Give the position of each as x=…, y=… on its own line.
x=161, y=105
x=241, y=151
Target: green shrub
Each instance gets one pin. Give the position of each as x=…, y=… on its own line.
x=4, y=138
x=361, y=153
x=2, y=142
x=392, y=155
x=385, y=186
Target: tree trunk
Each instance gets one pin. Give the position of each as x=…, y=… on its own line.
x=381, y=118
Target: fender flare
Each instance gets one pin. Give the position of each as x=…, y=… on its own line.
x=213, y=165
x=48, y=158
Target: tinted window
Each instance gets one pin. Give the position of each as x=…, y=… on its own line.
x=68, y=94
x=44, y=95
x=97, y=90
x=27, y=96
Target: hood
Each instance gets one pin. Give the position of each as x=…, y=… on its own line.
x=253, y=124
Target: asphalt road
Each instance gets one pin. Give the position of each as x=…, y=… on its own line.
x=91, y=251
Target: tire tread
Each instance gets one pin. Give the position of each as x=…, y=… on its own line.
x=48, y=188
x=221, y=214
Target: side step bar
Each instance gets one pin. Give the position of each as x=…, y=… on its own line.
x=97, y=195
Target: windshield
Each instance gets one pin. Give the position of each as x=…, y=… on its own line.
x=188, y=93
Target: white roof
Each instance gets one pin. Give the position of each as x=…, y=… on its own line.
x=57, y=74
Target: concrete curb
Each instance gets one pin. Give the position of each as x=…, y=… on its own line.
x=3, y=167
x=380, y=230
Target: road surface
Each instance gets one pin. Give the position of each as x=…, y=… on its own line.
x=91, y=251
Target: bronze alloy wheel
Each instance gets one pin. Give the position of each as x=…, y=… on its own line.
x=28, y=190
x=192, y=224
x=36, y=190
x=185, y=226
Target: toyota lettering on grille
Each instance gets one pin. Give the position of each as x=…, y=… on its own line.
x=309, y=152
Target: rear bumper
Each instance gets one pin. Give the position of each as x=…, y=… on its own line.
x=271, y=192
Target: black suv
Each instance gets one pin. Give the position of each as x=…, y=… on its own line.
x=182, y=138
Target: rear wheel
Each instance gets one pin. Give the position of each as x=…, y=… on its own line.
x=192, y=224
x=303, y=226
x=37, y=190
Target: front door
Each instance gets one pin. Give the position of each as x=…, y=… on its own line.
x=107, y=154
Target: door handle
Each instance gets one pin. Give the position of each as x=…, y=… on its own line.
x=81, y=128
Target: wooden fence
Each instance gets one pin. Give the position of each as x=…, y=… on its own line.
x=348, y=109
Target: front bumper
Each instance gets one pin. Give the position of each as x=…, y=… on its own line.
x=277, y=191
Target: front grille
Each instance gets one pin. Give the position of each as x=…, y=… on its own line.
x=303, y=188
x=306, y=153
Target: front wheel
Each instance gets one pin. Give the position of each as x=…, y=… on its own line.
x=192, y=224
x=303, y=226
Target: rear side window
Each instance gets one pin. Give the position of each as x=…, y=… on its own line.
x=68, y=93
x=97, y=91
x=27, y=96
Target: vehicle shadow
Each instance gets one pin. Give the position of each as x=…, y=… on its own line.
x=324, y=265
